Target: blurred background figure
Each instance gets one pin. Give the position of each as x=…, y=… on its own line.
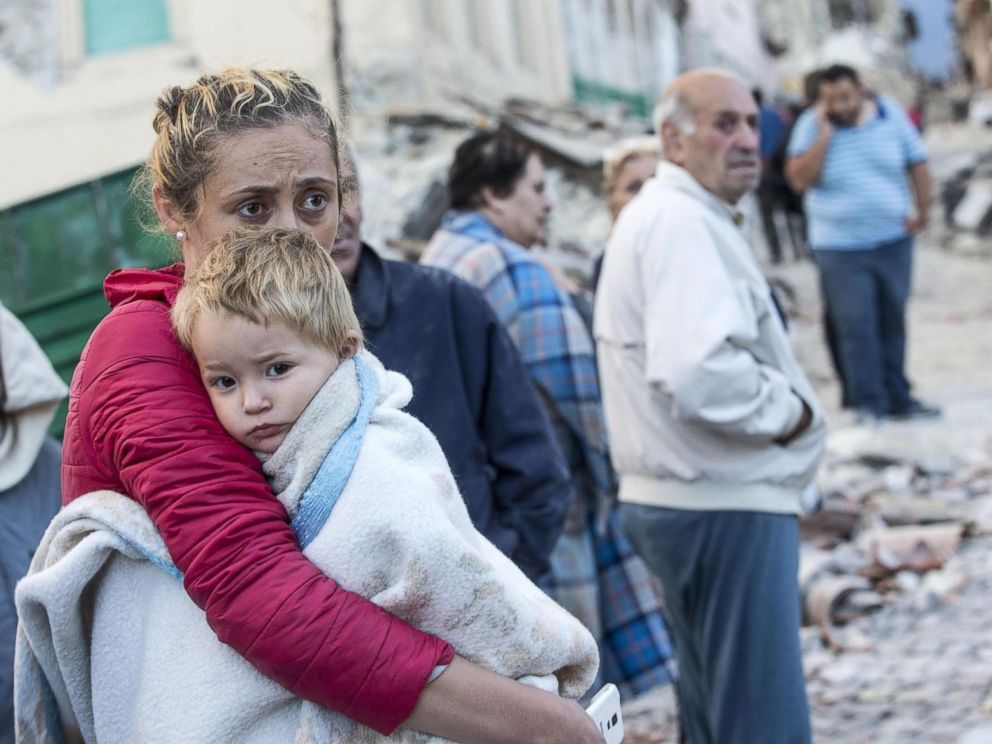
x=626, y=166
x=30, y=466
x=864, y=168
x=771, y=126
x=499, y=210
x=775, y=196
x=811, y=94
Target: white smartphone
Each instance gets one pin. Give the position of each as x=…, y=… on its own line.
x=605, y=711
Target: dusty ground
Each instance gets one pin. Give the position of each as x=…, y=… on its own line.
x=928, y=675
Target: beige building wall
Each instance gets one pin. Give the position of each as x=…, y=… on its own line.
x=94, y=116
x=623, y=51
x=423, y=50
x=728, y=34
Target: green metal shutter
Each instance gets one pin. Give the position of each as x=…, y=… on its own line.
x=116, y=25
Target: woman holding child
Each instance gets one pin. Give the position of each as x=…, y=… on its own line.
x=235, y=149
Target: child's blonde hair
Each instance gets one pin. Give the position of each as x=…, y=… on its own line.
x=270, y=275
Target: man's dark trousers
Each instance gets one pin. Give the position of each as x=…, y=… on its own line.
x=732, y=598
x=866, y=291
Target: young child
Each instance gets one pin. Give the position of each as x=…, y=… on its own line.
x=269, y=319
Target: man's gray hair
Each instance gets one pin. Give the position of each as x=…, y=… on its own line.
x=674, y=107
x=348, y=154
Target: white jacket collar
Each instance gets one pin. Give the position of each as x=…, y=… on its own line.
x=675, y=176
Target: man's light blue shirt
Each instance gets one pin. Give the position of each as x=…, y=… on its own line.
x=862, y=199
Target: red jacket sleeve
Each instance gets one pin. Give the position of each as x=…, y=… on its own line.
x=145, y=413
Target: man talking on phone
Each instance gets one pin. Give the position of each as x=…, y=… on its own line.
x=857, y=156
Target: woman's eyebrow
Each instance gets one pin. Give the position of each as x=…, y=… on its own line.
x=311, y=180
x=254, y=189
x=269, y=188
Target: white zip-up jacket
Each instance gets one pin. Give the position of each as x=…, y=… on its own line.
x=696, y=370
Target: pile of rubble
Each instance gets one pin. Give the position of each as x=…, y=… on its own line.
x=888, y=527
x=405, y=152
x=966, y=197
x=961, y=164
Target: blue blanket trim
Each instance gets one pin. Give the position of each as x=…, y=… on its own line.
x=325, y=489
x=166, y=566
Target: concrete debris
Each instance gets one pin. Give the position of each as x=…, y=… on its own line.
x=448, y=117
x=29, y=41
x=827, y=599
x=888, y=525
x=572, y=148
x=850, y=638
x=978, y=735
x=966, y=199
x=835, y=520
x=897, y=511
x=940, y=587
x=980, y=109
x=841, y=672
x=972, y=212
x=962, y=173
x=915, y=547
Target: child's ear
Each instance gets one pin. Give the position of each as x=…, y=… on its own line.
x=350, y=346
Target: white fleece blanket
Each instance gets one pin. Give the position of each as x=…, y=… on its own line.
x=111, y=649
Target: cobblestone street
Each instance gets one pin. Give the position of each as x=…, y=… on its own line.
x=927, y=678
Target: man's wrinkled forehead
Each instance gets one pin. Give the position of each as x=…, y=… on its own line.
x=722, y=98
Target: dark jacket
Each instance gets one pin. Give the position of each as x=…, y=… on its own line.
x=140, y=423
x=472, y=391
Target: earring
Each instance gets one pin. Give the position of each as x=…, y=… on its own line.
x=180, y=235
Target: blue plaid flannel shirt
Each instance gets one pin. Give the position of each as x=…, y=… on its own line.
x=549, y=332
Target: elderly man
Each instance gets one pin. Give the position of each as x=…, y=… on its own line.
x=855, y=155
x=470, y=389
x=715, y=431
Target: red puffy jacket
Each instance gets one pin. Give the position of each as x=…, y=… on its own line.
x=140, y=423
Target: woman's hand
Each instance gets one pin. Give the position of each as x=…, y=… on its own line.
x=578, y=727
x=469, y=704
